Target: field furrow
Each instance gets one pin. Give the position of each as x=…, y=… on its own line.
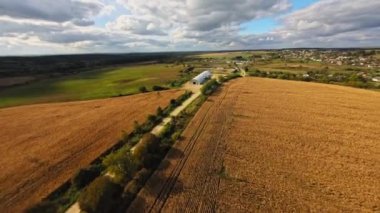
x=272, y=145
x=42, y=146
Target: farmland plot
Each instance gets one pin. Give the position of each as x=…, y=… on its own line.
x=271, y=145
x=43, y=145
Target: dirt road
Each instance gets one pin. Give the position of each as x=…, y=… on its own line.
x=43, y=145
x=159, y=128
x=271, y=145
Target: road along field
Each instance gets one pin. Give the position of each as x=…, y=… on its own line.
x=42, y=146
x=273, y=145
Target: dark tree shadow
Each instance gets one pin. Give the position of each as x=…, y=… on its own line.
x=161, y=187
x=165, y=163
x=137, y=206
x=175, y=153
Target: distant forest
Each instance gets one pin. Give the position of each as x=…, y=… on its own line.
x=70, y=64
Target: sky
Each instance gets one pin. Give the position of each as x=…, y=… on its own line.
x=41, y=27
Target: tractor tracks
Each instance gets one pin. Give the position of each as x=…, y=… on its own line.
x=204, y=180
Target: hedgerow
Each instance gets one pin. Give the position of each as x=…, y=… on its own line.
x=101, y=196
x=321, y=76
x=209, y=87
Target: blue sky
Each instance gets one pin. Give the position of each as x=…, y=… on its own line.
x=299, y=4
x=93, y=26
x=264, y=25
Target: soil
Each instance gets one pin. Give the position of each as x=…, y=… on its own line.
x=264, y=145
x=43, y=145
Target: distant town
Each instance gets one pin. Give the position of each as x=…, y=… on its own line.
x=354, y=58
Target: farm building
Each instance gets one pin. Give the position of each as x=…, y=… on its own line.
x=201, y=78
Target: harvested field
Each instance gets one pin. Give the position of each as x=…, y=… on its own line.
x=42, y=146
x=264, y=145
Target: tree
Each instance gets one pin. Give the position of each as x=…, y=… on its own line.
x=101, y=196
x=137, y=127
x=149, y=144
x=85, y=176
x=158, y=88
x=160, y=112
x=152, y=118
x=121, y=164
x=143, y=89
x=44, y=206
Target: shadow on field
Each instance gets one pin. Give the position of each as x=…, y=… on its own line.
x=175, y=153
x=165, y=163
x=158, y=188
x=138, y=205
x=161, y=187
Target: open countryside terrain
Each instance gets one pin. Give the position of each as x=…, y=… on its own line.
x=101, y=83
x=43, y=145
x=273, y=145
x=302, y=67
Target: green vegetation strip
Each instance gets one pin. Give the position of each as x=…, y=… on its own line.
x=210, y=86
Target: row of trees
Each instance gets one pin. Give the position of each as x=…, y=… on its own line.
x=348, y=78
x=129, y=170
x=144, y=89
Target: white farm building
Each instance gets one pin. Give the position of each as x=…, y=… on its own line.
x=201, y=78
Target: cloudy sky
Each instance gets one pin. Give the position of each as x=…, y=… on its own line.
x=37, y=27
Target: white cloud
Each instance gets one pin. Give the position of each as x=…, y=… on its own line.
x=77, y=11
x=182, y=24
x=333, y=23
x=332, y=17
x=135, y=25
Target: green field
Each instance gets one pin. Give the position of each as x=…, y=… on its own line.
x=302, y=67
x=90, y=85
x=225, y=55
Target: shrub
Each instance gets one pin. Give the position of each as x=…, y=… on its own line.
x=45, y=206
x=85, y=176
x=102, y=195
x=158, y=88
x=133, y=187
x=151, y=161
x=232, y=76
x=184, y=97
x=168, y=129
x=142, y=176
x=152, y=118
x=152, y=141
x=165, y=146
x=176, y=136
x=173, y=102
x=221, y=79
x=137, y=128
x=160, y=112
x=130, y=192
x=121, y=164
x=143, y=89
x=148, y=144
x=209, y=87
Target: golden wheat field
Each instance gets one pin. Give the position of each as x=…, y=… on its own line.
x=264, y=145
x=43, y=145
